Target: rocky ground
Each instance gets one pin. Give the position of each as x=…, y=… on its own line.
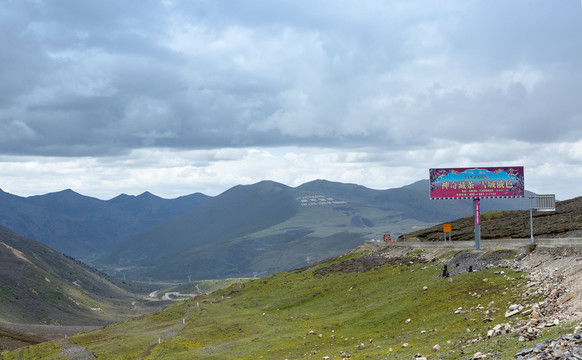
x=556, y=273
x=553, y=273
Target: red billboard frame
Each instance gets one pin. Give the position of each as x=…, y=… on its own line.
x=477, y=183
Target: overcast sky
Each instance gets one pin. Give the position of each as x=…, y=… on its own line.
x=176, y=97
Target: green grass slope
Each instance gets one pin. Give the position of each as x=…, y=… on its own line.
x=363, y=306
x=41, y=286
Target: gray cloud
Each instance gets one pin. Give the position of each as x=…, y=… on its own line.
x=86, y=78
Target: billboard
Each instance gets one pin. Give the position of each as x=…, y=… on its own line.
x=471, y=183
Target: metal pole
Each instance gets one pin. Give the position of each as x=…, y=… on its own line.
x=477, y=213
x=531, y=218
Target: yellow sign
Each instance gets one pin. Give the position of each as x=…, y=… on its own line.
x=447, y=228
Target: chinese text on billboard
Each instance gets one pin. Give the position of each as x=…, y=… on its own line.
x=470, y=183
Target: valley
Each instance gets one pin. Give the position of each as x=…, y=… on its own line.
x=377, y=302
x=285, y=272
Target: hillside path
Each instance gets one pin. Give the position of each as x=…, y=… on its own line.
x=172, y=331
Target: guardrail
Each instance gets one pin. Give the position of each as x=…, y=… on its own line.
x=495, y=244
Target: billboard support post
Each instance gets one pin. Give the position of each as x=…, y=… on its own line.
x=477, y=214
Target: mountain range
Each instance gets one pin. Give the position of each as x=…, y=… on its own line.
x=83, y=227
x=269, y=227
x=248, y=230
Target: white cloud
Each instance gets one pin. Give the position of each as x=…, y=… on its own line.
x=178, y=96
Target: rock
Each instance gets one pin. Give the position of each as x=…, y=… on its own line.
x=405, y=345
x=425, y=288
x=478, y=355
x=556, y=322
x=511, y=313
x=407, y=321
x=437, y=347
x=535, y=315
x=513, y=307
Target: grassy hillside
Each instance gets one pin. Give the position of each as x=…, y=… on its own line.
x=565, y=221
x=39, y=285
x=377, y=306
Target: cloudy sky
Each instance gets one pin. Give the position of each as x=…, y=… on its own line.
x=175, y=97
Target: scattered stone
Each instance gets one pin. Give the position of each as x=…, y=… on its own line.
x=405, y=345
x=499, y=329
x=425, y=288
x=535, y=315
x=407, y=321
x=437, y=347
x=478, y=355
x=511, y=313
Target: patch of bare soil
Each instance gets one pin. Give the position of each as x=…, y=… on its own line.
x=468, y=261
x=369, y=262
x=73, y=351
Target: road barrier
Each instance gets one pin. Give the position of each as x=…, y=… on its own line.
x=495, y=244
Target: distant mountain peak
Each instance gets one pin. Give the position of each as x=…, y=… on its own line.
x=147, y=194
x=67, y=193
